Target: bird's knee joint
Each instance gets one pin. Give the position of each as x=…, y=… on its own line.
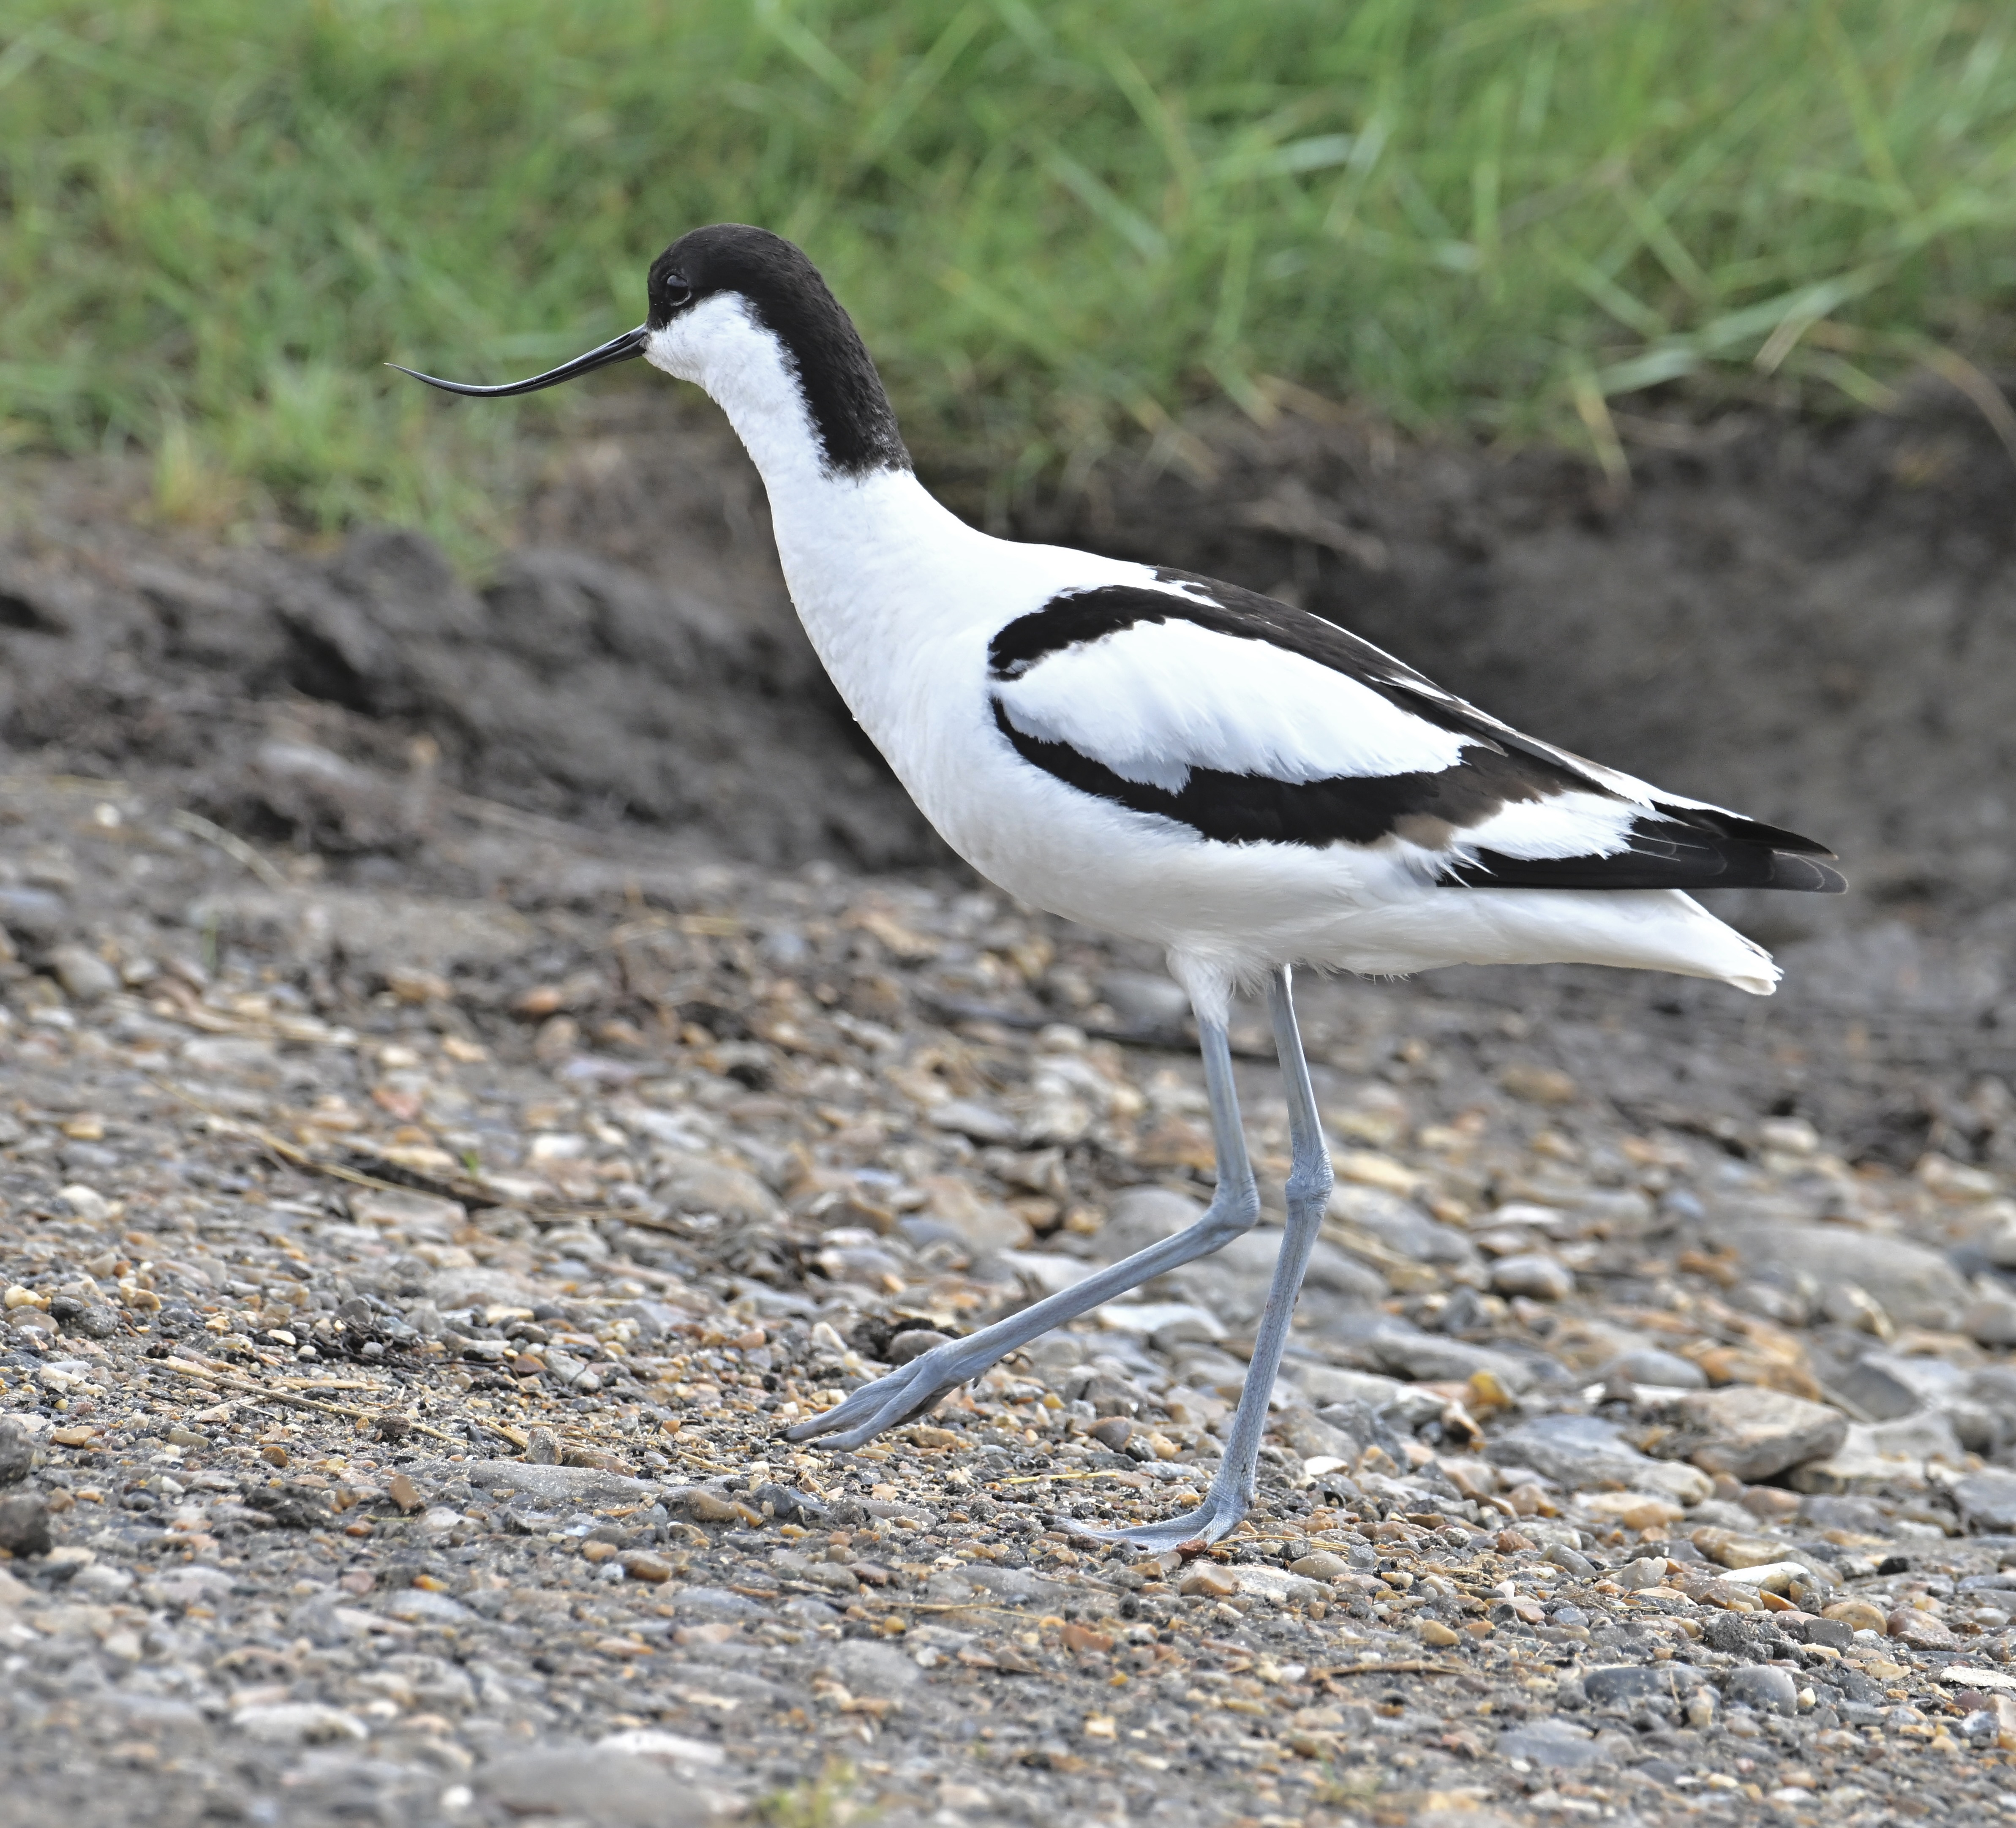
x=1312, y=1184
x=1233, y=1218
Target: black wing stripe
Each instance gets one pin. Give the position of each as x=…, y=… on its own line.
x=1430, y=809
x=1252, y=809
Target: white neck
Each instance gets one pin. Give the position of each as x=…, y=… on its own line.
x=860, y=553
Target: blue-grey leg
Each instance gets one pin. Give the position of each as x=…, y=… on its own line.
x=914, y=1388
x=1308, y=1187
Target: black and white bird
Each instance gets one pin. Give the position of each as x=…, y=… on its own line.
x=1246, y=784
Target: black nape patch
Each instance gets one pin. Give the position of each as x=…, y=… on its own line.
x=850, y=409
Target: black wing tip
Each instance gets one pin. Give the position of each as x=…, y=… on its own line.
x=1798, y=871
x=1696, y=867
x=1739, y=830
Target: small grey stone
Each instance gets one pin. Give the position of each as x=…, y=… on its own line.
x=1431, y=1358
x=294, y=1723
x=1916, y=1285
x=1557, y=1743
x=1987, y=1499
x=555, y=1485
x=914, y=1343
x=1990, y=1320
x=1399, y=1225
x=716, y=1603
x=17, y=1452
x=1630, y=1682
x=965, y=1117
x=1663, y=1370
x=82, y=974
x=1534, y=1274
x=1753, y=1433
x=1142, y=1216
x=1587, y=1454
x=1874, y=1387
x=24, y=1524
x=874, y=1668
x=33, y=913
x=95, y=1320
x=610, y=1789
x=1761, y=1686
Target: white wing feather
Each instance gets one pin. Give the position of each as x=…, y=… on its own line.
x=1153, y=701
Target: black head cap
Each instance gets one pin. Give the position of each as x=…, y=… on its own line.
x=851, y=413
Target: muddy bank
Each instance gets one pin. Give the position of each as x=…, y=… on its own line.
x=1816, y=623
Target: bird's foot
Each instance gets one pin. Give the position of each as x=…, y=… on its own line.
x=1217, y=1517
x=909, y=1391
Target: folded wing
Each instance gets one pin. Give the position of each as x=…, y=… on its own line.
x=1253, y=722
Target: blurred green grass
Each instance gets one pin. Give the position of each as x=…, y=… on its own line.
x=1059, y=224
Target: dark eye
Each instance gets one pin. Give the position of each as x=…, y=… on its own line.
x=675, y=293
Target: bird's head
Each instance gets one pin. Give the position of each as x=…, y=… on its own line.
x=743, y=314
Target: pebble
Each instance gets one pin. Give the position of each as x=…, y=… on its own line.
x=1586, y=1453
x=1526, y=1272
x=1648, y=1571
x=1916, y=1287
x=1760, y=1686
x=1324, y=1565
x=610, y=1789
x=1663, y=1370
x=292, y=1723
x=17, y=1453
x=1608, y=1685
x=1986, y=1499
x=83, y=974
x=1990, y=1320
x=1733, y=1549
x=24, y=1524
x=1553, y=1744
x=1921, y=1631
x=648, y=1546
x=1753, y=1433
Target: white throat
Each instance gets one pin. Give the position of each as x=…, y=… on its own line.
x=745, y=369
x=861, y=554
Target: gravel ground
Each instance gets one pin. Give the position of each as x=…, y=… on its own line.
x=410, y=1266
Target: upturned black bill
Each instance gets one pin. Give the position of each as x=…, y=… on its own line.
x=622, y=348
